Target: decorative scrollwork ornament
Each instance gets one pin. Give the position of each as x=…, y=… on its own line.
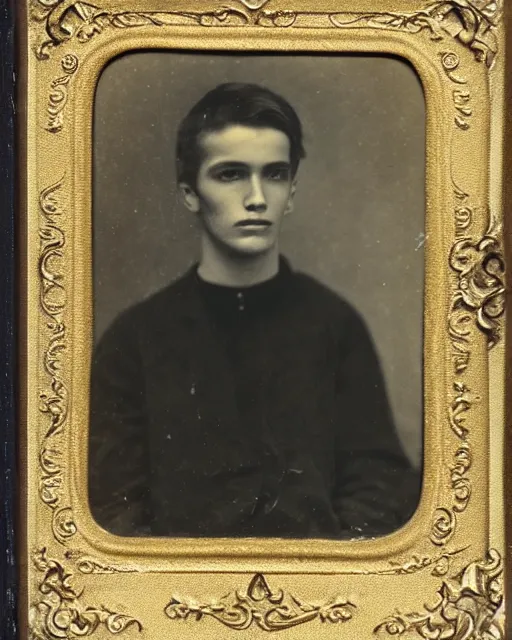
x=268, y=610
x=60, y=613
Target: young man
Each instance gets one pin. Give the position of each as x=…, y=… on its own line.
x=245, y=399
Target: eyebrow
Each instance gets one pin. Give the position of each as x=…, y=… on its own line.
x=234, y=164
x=227, y=164
x=279, y=165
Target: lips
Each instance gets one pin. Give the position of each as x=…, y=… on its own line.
x=253, y=223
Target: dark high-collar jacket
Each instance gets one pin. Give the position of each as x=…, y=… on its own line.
x=262, y=411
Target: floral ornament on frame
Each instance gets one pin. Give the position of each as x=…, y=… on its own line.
x=471, y=22
x=469, y=607
x=60, y=613
x=268, y=610
x=54, y=402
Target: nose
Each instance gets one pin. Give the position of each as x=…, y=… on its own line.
x=255, y=199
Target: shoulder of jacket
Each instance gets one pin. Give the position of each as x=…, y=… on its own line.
x=173, y=293
x=151, y=310
x=319, y=294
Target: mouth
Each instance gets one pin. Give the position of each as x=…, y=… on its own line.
x=252, y=223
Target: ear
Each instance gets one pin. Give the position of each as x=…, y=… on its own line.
x=289, y=205
x=190, y=197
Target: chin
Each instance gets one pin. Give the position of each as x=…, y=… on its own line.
x=253, y=248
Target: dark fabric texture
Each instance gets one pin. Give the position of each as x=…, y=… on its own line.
x=262, y=411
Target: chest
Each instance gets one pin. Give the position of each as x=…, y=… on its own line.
x=279, y=375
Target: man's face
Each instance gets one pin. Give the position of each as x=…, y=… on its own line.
x=244, y=188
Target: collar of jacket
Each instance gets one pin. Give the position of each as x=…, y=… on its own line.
x=200, y=296
x=236, y=303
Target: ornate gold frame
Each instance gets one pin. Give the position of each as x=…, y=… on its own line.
x=441, y=576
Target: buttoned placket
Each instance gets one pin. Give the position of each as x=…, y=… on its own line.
x=241, y=302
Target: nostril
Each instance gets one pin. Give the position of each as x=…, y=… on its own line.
x=256, y=207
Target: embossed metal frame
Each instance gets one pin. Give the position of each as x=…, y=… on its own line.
x=442, y=573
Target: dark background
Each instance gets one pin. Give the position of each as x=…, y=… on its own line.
x=359, y=209
x=8, y=582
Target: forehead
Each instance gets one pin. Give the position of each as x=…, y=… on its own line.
x=247, y=145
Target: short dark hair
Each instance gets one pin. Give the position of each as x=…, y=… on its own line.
x=235, y=103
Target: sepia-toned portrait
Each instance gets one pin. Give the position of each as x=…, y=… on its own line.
x=258, y=235
x=262, y=326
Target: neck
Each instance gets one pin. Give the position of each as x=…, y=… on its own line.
x=235, y=270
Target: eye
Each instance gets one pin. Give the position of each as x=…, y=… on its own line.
x=280, y=174
x=230, y=175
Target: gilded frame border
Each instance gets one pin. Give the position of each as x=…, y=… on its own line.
x=447, y=563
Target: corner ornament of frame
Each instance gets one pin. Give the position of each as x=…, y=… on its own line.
x=270, y=611
x=59, y=613
x=65, y=19
x=471, y=22
x=469, y=607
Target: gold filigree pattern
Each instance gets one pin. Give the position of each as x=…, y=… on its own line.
x=479, y=296
x=88, y=565
x=59, y=93
x=254, y=5
x=443, y=526
x=445, y=519
x=439, y=565
x=467, y=608
x=63, y=526
x=471, y=22
x=451, y=62
x=461, y=101
x=461, y=484
x=66, y=19
x=276, y=18
x=481, y=290
x=460, y=323
x=217, y=17
x=460, y=320
x=461, y=97
x=270, y=611
x=59, y=612
x=458, y=409
x=50, y=482
x=53, y=401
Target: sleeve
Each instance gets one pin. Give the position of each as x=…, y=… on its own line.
x=376, y=488
x=118, y=446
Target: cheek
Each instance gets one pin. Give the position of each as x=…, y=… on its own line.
x=279, y=194
x=221, y=199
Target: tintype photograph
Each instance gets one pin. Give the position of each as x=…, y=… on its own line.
x=258, y=272
x=262, y=341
